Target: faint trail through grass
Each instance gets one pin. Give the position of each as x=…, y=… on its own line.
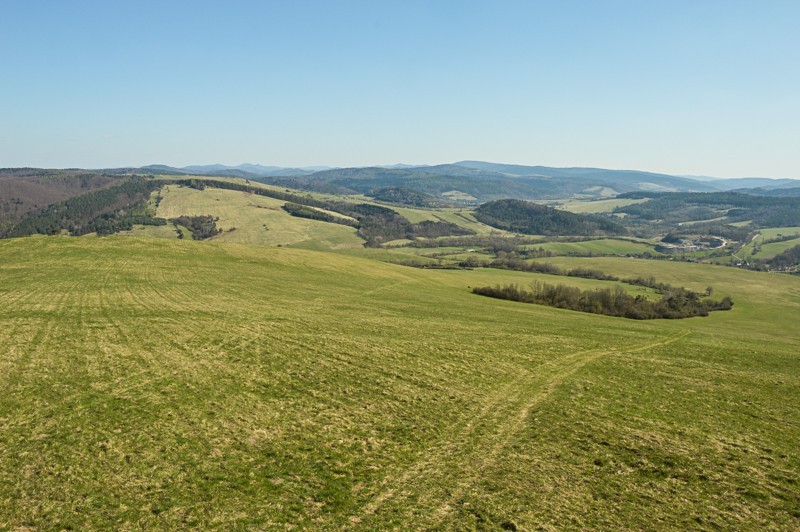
x=466, y=451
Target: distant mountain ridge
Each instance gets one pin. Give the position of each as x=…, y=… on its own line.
x=466, y=182
x=246, y=170
x=635, y=178
x=477, y=181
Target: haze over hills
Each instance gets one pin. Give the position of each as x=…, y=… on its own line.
x=461, y=183
x=242, y=170
x=476, y=181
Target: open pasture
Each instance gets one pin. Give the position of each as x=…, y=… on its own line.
x=167, y=383
x=604, y=246
x=254, y=219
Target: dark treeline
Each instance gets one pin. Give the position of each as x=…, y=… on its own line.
x=674, y=304
x=533, y=219
x=739, y=234
x=105, y=211
x=110, y=223
x=201, y=184
x=304, y=211
x=379, y=228
x=202, y=227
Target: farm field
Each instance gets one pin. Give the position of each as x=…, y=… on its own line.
x=165, y=383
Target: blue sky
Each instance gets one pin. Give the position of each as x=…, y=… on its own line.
x=684, y=87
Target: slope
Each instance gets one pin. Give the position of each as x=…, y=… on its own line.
x=167, y=384
x=27, y=190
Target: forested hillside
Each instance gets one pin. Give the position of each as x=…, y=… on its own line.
x=679, y=207
x=104, y=211
x=407, y=196
x=530, y=218
x=435, y=181
x=27, y=190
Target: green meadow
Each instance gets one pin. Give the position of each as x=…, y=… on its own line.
x=253, y=219
x=768, y=249
x=604, y=246
x=165, y=383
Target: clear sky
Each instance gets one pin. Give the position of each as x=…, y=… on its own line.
x=685, y=87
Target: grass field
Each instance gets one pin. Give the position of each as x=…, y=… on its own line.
x=253, y=219
x=160, y=383
x=770, y=249
x=605, y=246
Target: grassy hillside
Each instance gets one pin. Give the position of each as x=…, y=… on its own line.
x=769, y=250
x=164, y=383
x=249, y=218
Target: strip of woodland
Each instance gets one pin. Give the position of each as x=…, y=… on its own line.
x=675, y=303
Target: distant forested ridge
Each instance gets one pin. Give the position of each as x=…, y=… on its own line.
x=104, y=211
x=484, y=181
x=312, y=213
x=765, y=211
x=406, y=196
x=533, y=219
x=25, y=191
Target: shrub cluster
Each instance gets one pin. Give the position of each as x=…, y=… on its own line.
x=202, y=227
x=674, y=304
